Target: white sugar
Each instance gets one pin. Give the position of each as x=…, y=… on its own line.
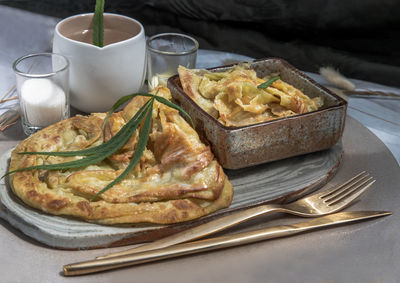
x=43, y=102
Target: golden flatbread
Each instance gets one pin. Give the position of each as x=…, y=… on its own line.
x=177, y=178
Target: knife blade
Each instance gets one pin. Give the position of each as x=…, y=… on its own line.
x=216, y=243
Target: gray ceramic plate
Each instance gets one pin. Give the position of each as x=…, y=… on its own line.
x=280, y=181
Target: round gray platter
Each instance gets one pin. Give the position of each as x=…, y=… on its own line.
x=279, y=181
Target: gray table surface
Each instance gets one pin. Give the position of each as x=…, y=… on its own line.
x=364, y=252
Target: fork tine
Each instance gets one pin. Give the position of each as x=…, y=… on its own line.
x=349, y=188
x=352, y=194
x=344, y=186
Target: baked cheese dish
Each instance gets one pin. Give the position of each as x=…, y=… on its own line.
x=235, y=99
x=177, y=178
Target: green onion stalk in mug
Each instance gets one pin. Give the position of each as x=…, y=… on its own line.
x=98, y=24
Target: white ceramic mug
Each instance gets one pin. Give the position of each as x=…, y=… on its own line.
x=99, y=76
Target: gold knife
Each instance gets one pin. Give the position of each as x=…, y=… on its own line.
x=98, y=265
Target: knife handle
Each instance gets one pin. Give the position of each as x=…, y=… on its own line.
x=98, y=265
x=203, y=230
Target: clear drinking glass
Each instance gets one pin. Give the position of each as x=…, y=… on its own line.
x=43, y=90
x=165, y=52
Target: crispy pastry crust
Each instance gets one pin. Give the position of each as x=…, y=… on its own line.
x=177, y=179
x=234, y=99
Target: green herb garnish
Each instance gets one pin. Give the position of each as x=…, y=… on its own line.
x=98, y=153
x=269, y=82
x=141, y=146
x=98, y=27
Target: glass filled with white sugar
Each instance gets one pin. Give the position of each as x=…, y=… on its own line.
x=43, y=90
x=165, y=52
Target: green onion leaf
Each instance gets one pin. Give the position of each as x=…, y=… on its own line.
x=121, y=101
x=103, y=147
x=101, y=155
x=98, y=27
x=141, y=146
x=174, y=106
x=268, y=83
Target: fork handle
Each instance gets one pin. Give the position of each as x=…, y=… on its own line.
x=205, y=229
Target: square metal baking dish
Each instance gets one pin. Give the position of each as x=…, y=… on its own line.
x=239, y=147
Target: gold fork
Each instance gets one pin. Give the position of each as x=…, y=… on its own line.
x=326, y=202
